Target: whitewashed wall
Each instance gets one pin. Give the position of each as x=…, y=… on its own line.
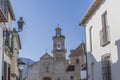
x=113, y=15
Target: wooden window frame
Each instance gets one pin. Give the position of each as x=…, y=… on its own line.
x=105, y=32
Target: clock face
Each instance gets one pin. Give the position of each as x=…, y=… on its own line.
x=58, y=45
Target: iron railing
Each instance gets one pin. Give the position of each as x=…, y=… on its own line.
x=8, y=41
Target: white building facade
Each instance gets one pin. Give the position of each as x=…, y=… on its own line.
x=6, y=16
x=2, y=20
x=9, y=43
x=102, y=37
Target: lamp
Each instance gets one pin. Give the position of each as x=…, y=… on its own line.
x=20, y=24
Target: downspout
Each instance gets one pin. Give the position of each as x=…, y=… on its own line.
x=85, y=48
x=86, y=52
x=3, y=62
x=3, y=51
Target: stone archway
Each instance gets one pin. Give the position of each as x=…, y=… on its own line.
x=46, y=78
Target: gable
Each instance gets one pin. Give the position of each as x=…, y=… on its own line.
x=79, y=51
x=46, y=56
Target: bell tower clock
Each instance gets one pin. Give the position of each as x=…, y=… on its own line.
x=59, y=50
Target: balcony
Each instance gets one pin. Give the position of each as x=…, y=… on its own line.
x=105, y=36
x=9, y=50
x=3, y=10
x=8, y=43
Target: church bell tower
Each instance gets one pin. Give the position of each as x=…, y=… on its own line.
x=59, y=51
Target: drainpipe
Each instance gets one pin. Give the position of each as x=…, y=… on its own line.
x=86, y=52
x=2, y=62
x=85, y=48
x=3, y=51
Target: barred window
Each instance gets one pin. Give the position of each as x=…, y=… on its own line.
x=77, y=61
x=106, y=67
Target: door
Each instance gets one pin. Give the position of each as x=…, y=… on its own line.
x=46, y=78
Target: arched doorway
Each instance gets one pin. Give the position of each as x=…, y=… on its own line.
x=46, y=78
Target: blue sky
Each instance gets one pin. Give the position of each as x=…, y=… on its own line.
x=41, y=18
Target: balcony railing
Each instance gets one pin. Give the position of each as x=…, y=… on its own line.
x=105, y=36
x=3, y=10
x=8, y=42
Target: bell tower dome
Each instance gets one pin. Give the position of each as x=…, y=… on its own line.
x=58, y=31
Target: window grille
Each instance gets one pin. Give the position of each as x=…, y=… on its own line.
x=106, y=67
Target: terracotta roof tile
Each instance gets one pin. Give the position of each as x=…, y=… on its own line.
x=78, y=51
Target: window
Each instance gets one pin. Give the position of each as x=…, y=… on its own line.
x=71, y=77
x=106, y=67
x=104, y=19
x=9, y=70
x=58, y=45
x=90, y=34
x=8, y=39
x=47, y=69
x=77, y=61
x=3, y=10
x=5, y=71
x=104, y=33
